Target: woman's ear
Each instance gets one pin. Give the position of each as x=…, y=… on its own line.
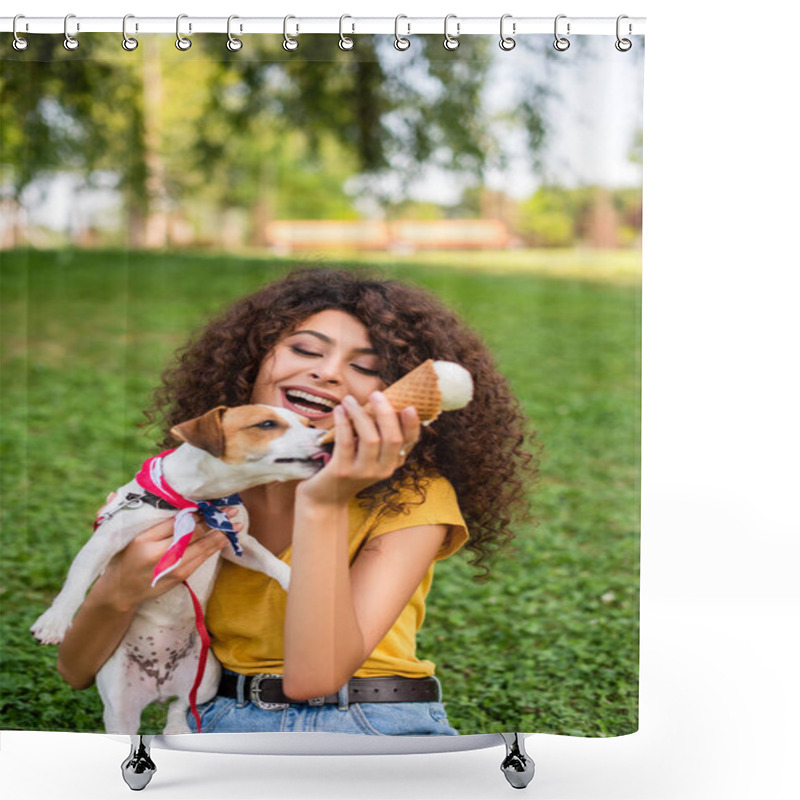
x=205, y=432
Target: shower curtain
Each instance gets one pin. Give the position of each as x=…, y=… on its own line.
x=145, y=190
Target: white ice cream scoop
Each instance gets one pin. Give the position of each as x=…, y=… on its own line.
x=455, y=384
x=431, y=387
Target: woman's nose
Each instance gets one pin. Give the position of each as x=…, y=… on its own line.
x=328, y=371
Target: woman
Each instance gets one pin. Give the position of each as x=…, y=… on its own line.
x=362, y=535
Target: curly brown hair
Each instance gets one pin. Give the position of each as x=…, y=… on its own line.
x=480, y=449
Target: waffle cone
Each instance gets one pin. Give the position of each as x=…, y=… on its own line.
x=418, y=388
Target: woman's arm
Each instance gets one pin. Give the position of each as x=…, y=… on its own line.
x=335, y=614
x=112, y=602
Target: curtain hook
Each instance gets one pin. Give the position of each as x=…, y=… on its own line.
x=128, y=42
x=70, y=42
x=19, y=42
x=289, y=44
x=561, y=43
x=400, y=42
x=451, y=42
x=345, y=42
x=233, y=44
x=623, y=45
x=182, y=42
x=506, y=42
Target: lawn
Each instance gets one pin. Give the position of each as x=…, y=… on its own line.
x=548, y=644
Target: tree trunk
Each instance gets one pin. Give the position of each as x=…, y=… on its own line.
x=154, y=228
x=603, y=223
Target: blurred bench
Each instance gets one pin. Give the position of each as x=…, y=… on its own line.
x=455, y=234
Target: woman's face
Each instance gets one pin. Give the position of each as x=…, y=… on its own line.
x=328, y=356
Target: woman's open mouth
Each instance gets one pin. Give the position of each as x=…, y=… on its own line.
x=310, y=405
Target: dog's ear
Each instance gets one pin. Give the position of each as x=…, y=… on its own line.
x=204, y=432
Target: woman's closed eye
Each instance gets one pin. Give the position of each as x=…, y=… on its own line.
x=362, y=368
x=366, y=370
x=303, y=352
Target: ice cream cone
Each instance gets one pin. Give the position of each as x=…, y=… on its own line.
x=418, y=388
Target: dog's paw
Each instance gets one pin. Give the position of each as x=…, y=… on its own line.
x=177, y=727
x=51, y=627
x=176, y=717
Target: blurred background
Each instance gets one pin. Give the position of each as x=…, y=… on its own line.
x=364, y=151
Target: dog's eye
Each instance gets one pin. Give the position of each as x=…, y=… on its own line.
x=267, y=424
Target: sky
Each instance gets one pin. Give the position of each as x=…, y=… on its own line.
x=594, y=116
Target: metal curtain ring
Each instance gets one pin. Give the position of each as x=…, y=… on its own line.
x=289, y=44
x=128, y=42
x=623, y=45
x=400, y=42
x=181, y=42
x=561, y=43
x=451, y=42
x=345, y=42
x=70, y=42
x=19, y=42
x=233, y=44
x=506, y=42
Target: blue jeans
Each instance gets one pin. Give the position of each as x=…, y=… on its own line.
x=232, y=715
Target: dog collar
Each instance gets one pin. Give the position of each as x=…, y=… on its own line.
x=151, y=479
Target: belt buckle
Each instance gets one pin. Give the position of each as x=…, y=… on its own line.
x=255, y=685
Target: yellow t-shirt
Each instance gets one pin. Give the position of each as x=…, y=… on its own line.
x=246, y=612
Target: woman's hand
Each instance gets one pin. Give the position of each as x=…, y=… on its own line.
x=368, y=449
x=107, y=612
x=126, y=582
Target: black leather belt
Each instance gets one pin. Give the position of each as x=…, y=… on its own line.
x=266, y=691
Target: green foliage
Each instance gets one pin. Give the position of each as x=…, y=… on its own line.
x=558, y=217
x=208, y=121
x=547, y=218
x=74, y=114
x=549, y=641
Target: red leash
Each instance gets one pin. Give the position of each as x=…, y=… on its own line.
x=205, y=643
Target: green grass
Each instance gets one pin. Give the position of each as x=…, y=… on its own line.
x=621, y=267
x=548, y=644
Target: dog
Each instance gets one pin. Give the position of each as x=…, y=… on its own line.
x=224, y=451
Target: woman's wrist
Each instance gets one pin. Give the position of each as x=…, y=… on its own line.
x=109, y=593
x=310, y=502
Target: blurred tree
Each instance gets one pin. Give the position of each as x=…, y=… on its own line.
x=72, y=114
x=592, y=215
x=548, y=218
x=602, y=220
x=222, y=126
x=628, y=204
x=636, y=152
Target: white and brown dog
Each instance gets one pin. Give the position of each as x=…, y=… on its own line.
x=225, y=451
